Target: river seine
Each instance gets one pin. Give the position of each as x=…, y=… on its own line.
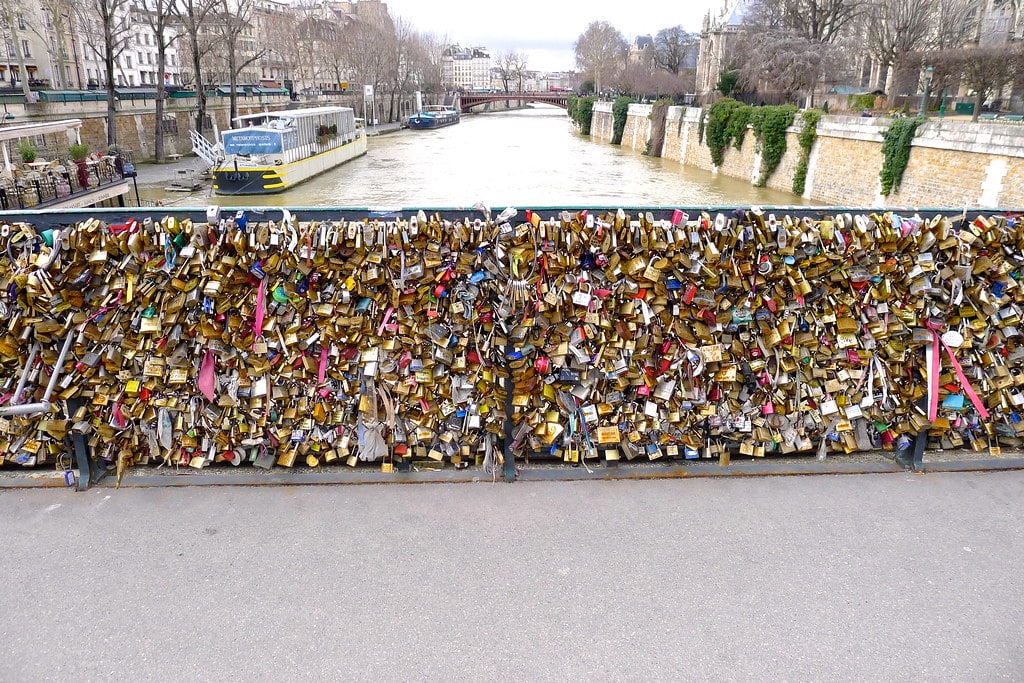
x=524, y=157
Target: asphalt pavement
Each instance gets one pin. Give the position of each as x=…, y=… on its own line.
x=898, y=576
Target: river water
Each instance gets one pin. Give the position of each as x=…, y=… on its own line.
x=524, y=157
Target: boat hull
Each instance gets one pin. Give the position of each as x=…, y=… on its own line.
x=429, y=123
x=248, y=180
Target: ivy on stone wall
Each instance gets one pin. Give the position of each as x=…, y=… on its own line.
x=726, y=124
x=769, y=124
x=700, y=125
x=581, y=111
x=896, y=151
x=808, y=134
x=620, y=112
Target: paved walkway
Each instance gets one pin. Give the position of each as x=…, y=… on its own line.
x=898, y=577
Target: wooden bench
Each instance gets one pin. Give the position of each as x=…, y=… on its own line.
x=174, y=157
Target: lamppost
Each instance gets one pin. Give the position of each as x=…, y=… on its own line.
x=924, y=94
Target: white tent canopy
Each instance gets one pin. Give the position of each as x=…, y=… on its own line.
x=31, y=130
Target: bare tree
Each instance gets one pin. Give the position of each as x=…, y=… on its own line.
x=672, y=47
x=896, y=28
x=234, y=24
x=777, y=60
x=191, y=18
x=983, y=70
x=106, y=27
x=819, y=21
x=432, y=48
x=600, y=51
x=366, y=48
x=403, y=64
x=12, y=10
x=159, y=15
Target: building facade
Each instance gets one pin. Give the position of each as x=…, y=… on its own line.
x=466, y=68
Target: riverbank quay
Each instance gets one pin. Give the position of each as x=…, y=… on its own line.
x=485, y=343
x=842, y=159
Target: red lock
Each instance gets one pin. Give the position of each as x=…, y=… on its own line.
x=542, y=365
x=689, y=293
x=715, y=395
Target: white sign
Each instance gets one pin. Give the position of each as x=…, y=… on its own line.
x=367, y=91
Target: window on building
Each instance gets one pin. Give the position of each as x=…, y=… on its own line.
x=24, y=49
x=128, y=61
x=21, y=23
x=170, y=125
x=131, y=80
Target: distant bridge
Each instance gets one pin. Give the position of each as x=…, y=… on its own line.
x=470, y=100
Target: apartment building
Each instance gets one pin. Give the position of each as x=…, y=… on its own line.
x=465, y=68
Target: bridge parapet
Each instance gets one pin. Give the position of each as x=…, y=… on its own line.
x=559, y=99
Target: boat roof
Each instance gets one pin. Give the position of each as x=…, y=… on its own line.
x=295, y=113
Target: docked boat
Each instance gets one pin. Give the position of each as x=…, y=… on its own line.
x=269, y=152
x=434, y=116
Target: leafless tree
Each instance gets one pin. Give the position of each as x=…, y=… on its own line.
x=896, y=28
x=106, y=28
x=672, y=46
x=983, y=70
x=366, y=47
x=642, y=82
x=818, y=21
x=234, y=24
x=159, y=15
x=600, y=51
x=11, y=9
x=402, y=65
x=432, y=48
x=191, y=20
x=777, y=60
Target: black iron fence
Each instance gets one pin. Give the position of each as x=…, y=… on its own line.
x=29, y=187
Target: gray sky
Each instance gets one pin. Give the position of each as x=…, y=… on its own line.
x=545, y=30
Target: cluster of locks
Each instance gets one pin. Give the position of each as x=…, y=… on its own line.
x=419, y=341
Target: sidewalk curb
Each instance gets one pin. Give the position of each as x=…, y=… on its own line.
x=697, y=470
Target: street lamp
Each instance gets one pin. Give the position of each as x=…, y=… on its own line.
x=924, y=94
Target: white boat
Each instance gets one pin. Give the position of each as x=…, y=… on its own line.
x=269, y=152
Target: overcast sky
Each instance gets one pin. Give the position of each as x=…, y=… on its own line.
x=545, y=30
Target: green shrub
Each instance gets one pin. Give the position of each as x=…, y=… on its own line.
x=27, y=151
x=866, y=101
x=78, y=151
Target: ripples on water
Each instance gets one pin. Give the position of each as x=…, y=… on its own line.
x=526, y=157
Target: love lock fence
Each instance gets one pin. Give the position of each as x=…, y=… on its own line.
x=418, y=339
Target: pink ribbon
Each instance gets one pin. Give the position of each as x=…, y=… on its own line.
x=208, y=376
x=385, y=321
x=261, y=295
x=321, y=373
x=934, y=368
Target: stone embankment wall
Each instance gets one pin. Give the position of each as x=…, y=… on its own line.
x=136, y=120
x=952, y=163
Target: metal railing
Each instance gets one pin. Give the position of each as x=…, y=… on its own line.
x=42, y=187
